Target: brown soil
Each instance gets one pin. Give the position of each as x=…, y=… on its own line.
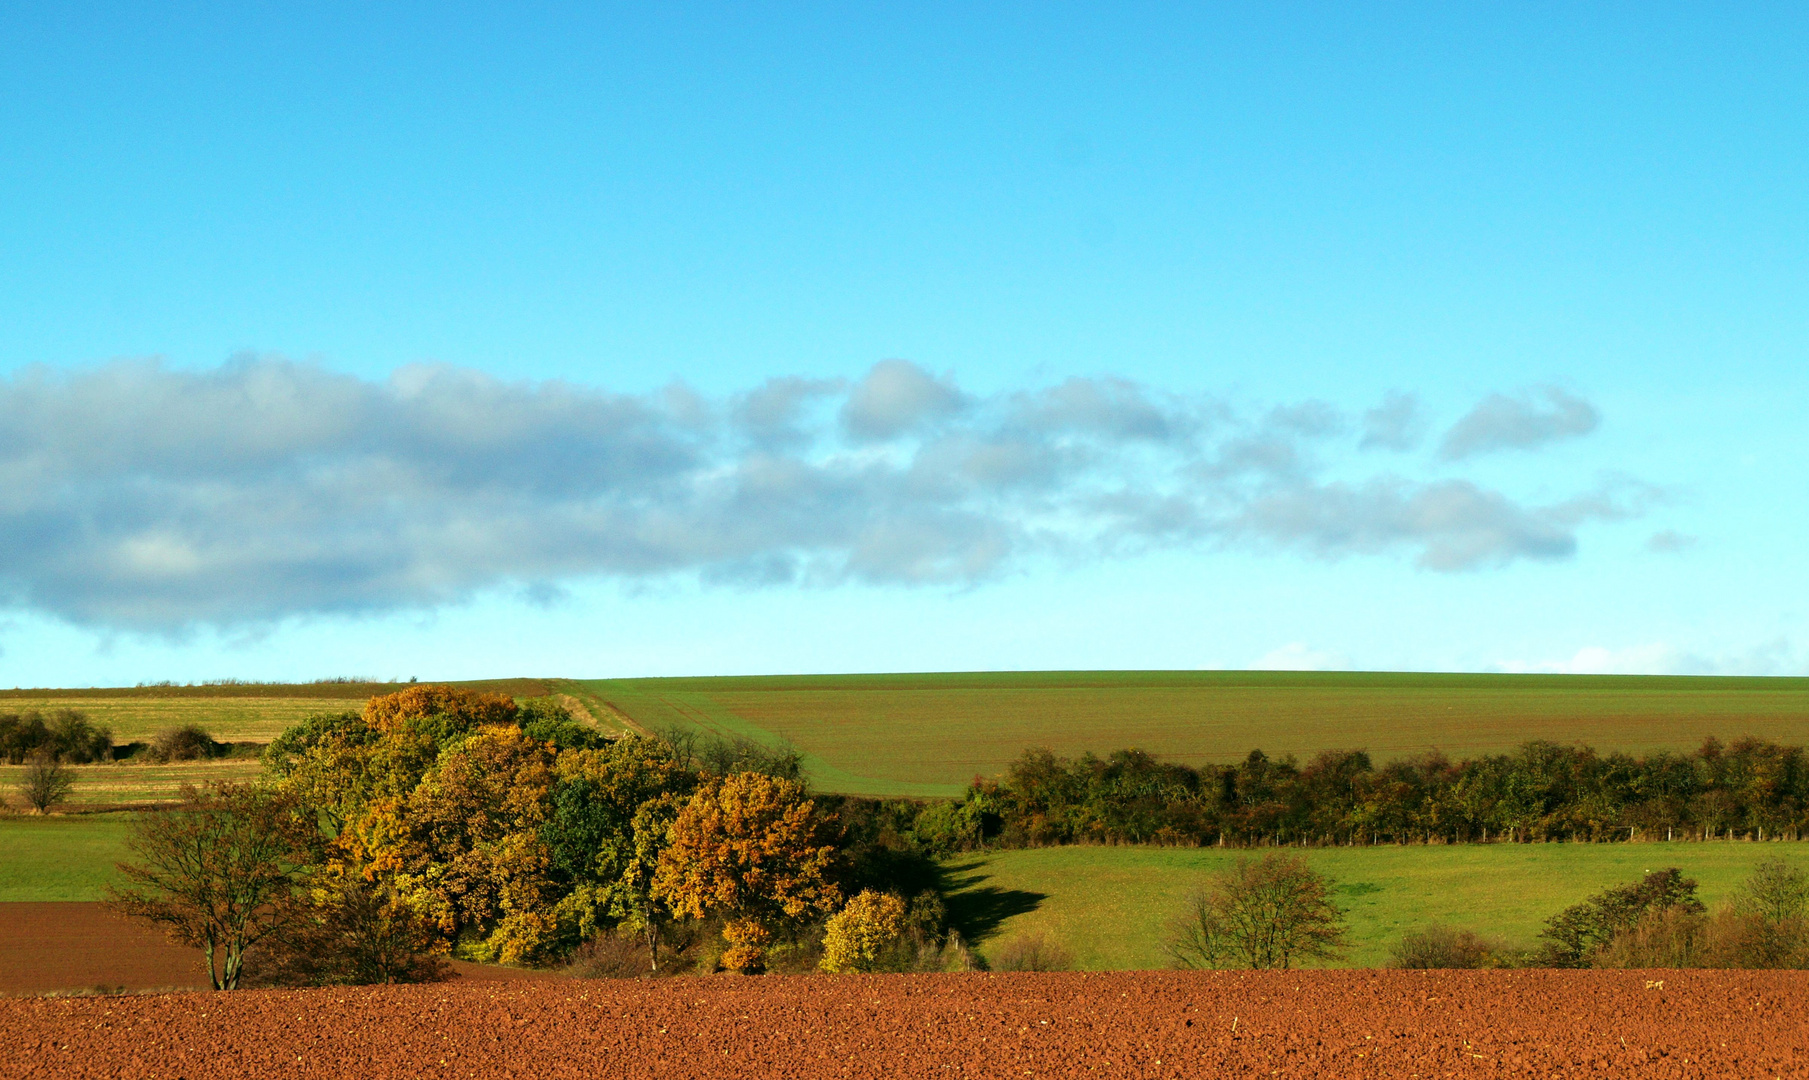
x=73, y=947
x=1133, y=1024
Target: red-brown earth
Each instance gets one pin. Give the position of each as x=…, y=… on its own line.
x=76, y=947
x=1129, y=1024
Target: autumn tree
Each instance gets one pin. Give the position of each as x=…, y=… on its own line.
x=220, y=872
x=746, y=846
x=858, y=937
x=467, y=846
x=1267, y=913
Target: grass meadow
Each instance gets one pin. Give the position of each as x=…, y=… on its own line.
x=61, y=857
x=928, y=735
x=1110, y=905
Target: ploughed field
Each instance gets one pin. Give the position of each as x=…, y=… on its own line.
x=1125, y=1024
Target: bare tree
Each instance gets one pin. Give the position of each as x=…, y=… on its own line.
x=46, y=781
x=220, y=872
x=1268, y=913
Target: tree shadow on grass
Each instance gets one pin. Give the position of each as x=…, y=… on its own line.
x=977, y=909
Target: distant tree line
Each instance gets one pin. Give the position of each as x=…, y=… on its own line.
x=1542, y=791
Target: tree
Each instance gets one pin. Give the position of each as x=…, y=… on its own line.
x=45, y=782
x=467, y=845
x=746, y=846
x=857, y=937
x=220, y=872
x=1268, y=913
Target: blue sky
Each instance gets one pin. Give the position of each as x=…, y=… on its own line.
x=453, y=343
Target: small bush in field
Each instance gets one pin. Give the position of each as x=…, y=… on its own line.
x=1776, y=892
x=45, y=781
x=190, y=742
x=1032, y=952
x=858, y=937
x=1261, y=913
x=1439, y=946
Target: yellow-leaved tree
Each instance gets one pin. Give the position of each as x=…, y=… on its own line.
x=748, y=847
x=857, y=937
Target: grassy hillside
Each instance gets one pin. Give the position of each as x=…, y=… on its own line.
x=1110, y=905
x=928, y=735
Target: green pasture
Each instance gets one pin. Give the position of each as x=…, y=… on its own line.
x=928, y=735
x=60, y=857
x=1110, y=906
x=129, y=783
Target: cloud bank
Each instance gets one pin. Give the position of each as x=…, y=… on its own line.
x=137, y=497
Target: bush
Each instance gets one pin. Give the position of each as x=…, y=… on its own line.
x=1573, y=935
x=1032, y=952
x=1439, y=946
x=859, y=937
x=1263, y=914
x=1776, y=891
x=191, y=742
x=45, y=783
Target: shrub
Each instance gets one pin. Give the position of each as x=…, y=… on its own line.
x=191, y=742
x=1263, y=914
x=1032, y=952
x=1574, y=934
x=859, y=937
x=1439, y=946
x=46, y=782
x=1776, y=891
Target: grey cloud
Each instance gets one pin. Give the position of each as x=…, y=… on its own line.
x=1393, y=425
x=1669, y=541
x=895, y=398
x=137, y=497
x=1499, y=422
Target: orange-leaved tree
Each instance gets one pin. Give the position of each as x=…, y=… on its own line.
x=749, y=847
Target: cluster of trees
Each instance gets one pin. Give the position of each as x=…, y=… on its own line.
x=1543, y=791
x=441, y=820
x=66, y=735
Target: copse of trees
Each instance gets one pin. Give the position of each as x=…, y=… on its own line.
x=1543, y=791
x=66, y=735
x=517, y=833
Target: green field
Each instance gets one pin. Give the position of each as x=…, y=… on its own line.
x=928, y=735
x=1110, y=905
x=60, y=858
